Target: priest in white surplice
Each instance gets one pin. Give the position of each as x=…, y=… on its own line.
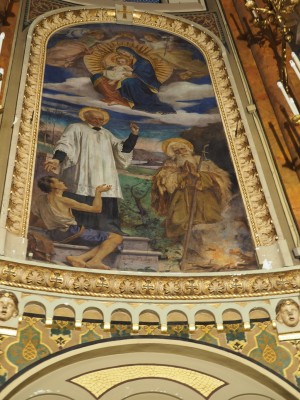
x=89, y=155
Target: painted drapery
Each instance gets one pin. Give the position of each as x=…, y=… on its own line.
x=181, y=209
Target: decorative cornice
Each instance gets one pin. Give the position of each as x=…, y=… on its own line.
x=148, y=287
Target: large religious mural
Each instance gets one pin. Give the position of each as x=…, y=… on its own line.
x=133, y=171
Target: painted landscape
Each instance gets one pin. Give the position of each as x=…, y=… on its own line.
x=175, y=206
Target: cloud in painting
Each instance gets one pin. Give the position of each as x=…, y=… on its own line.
x=80, y=91
x=73, y=87
x=149, y=144
x=185, y=91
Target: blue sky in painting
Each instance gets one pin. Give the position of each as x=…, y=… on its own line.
x=66, y=90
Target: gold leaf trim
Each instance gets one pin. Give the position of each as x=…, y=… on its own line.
x=99, y=382
x=115, y=286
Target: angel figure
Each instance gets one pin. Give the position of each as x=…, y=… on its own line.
x=184, y=193
x=78, y=42
x=139, y=89
x=180, y=59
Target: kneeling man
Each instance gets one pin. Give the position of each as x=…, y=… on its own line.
x=55, y=211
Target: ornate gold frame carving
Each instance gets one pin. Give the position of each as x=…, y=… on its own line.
x=164, y=287
x=148, y=287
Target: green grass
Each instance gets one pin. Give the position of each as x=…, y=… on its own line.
x=151, y=225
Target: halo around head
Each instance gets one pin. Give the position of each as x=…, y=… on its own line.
x=83, y=110
x=166, y=144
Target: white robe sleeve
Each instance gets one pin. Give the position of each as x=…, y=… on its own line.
x=69, y=143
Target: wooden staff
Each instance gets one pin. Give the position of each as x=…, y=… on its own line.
x=192, y=211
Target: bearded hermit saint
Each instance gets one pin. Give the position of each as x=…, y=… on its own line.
x=186, y=194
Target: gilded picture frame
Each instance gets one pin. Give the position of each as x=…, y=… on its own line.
x=108, y=284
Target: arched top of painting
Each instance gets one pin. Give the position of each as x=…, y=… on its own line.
x=162, y=60
x=134, y=108
x=100, y=39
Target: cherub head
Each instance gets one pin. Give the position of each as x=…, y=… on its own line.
x=8, y=305
x=288, y=312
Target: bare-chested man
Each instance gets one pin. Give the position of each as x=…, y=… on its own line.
x=88, y=155
x=55, y=211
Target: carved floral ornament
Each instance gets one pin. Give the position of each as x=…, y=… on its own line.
x=110, y=285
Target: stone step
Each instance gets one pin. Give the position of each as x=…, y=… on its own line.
x=124, y=259
x=136, y=243
x=138, y=260
x=129, y=243
x=140, y=252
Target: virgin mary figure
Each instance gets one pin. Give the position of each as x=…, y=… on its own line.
x=140, y=89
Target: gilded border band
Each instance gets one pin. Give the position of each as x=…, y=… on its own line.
x=148, y=287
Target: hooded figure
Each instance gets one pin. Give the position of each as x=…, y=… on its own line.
x=140, y=89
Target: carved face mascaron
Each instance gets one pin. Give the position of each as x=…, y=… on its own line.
x=289, y=313
x=8, y=308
